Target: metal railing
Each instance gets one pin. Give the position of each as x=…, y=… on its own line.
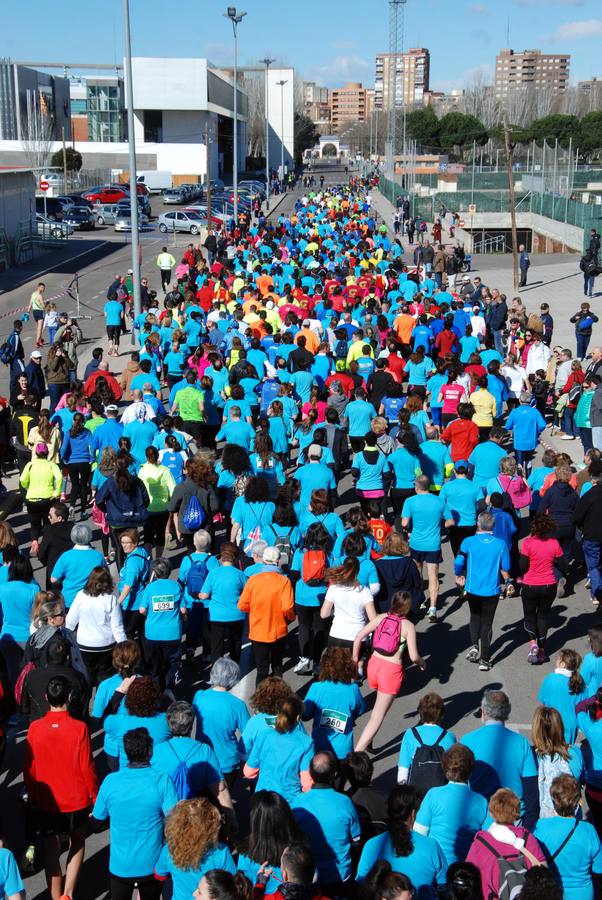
x=495, y=244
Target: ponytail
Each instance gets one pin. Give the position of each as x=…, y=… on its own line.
x=290, y=713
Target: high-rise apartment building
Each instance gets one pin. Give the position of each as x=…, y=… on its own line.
x=410, y=73
x=316, y=103
x=531, y=69
x=350, y=103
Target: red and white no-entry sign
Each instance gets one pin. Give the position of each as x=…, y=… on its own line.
x=44, y=185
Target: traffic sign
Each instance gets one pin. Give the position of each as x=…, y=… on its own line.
x=472, y=208
x=44, y=185
x=461, y=223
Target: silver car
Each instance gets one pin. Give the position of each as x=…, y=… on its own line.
x=184, y=220
x=123, y=221
x=174, y=196
x=48, y=228
x=105, y=213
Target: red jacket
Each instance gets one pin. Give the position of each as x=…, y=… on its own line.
x=58, y=767
x=463, y=435
x=113, y=384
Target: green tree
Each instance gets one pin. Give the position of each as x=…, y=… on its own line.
x=306, y=135
x=590, y=141
x=424, y=126
x=559, y=127
x=458, y=130
x=74, y=160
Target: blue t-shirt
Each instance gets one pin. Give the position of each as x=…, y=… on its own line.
x=163, y=599
x=221, y=718
x=113, y=311
x=406, y=468
x=10, y=877
x=429, y=735
x=334, y=707
x=174, y=362
x=136, y=800
x=486, y=461
x=186, y=881
x=203, y=767
x=425, y=866
x=307, y=594
x=433, y=387
x=280, y=759
x=73, y=568
x=237, y=432
x=554, y=691
x=359, y=414
x=133, y=573
x=452, y=814
x=371, y=475
x=481, y=557
x=591, y=672
x=313, y=477
x=418, y=373
x=16, y=602
x=435, y=460
x=503, y=759
x=578, y=860
x=462, y=496
x=121, y=722
x=224, y=585
x=527, y=423
x=331, y=822
x=426, y=513
x=141, y=435
x=250, y=868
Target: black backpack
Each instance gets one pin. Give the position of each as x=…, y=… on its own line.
x=426, y=770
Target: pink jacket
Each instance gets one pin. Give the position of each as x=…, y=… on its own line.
x=487, y=863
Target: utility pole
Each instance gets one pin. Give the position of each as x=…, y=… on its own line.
x=208, y=150
x=267, y=63
x=136, y=260
x=236, y=18
x=64, y=162
x=512, y=203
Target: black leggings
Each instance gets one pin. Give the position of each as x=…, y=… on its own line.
x=482, y=613
x=37, y=510
x=399, y=497
x=312, y=632
x=219, y=632
x=79, y=473
x=149, y=888
x=457, y=533
x=537, y=602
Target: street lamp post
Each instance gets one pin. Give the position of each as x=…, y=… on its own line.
x=281, y=86
x=236, y=18
x=267, y=63
x=132, y=147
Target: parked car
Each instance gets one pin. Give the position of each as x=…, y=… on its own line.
x=155, y=181
x=75, y=200
x=175, y=195
x=123, y=220
x=105, y=213
x=183, y=220
x=106, y=194
x=217, y=218
x=50, y=228
x=52, y=207
x=143, y=206
x=80, y=217
x=255, y=188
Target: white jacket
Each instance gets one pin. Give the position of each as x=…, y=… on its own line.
x=538, y=357
x=97, y=620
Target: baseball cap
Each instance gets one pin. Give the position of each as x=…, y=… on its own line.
x=36, y=354
x=271, y=556
x=461, y=464
x=112, y=407
x=466, y=278
x=41, y=448
x=314, y=450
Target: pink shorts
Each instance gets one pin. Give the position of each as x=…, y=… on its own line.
x=385, y=676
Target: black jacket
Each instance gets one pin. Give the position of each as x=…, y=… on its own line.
x=498, y=316
x=379, y=384
x=35, y=377
x=398, y=573
x=559, y=502
x=588, y=514
x=34, y=703
x=55, y=540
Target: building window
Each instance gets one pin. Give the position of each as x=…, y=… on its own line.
x=153, y=126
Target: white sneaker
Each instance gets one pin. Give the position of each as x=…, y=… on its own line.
x=302, y=664
x=567, y=437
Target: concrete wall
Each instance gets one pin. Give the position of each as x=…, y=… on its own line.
x=17, y=200
x=278, y=97
x=549, y=235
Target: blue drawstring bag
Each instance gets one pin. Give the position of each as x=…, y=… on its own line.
x=194, y=514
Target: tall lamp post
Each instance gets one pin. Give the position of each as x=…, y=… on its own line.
x=136, y=260
x=267, y=63
x=281, y=86
x=236, y=18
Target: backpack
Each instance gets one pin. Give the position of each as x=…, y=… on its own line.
x=7, y=352
x=387, y=637
x=283, y=544
x=313, y=568
x=550, y=767
x=426, y=770
x=197, y=574
x=517, y=489
x=240, y=485
x=194, y=514
x=181, y=779
x=511, y=871
x=575, y=392
x=340, y=349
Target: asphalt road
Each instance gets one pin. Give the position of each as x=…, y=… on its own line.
x=442, y=645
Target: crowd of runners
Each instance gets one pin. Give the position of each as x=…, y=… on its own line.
x=314, y=413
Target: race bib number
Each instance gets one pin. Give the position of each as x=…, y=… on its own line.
x=164, y=603
x=270, y=721
x=333, y=719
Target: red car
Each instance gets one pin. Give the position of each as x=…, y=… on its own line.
x=106, y=194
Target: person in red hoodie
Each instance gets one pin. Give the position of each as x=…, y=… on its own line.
x=103, y=372
x=62, y=785
x=298, y=869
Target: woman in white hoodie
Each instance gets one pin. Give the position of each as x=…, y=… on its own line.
x=96, y=615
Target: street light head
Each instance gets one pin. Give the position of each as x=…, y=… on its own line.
x=267, y=62
x=230, y=12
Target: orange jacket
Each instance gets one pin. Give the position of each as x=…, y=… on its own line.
x=268, y=598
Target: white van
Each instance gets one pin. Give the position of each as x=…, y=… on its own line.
x=155, y=181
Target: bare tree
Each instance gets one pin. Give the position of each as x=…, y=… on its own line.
x=519, y=106
x=545, y=102
x=254, y=85
x=479, y=100
x=37, y=137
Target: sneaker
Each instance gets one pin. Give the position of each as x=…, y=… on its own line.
x=561, y=587
x=432, y=614
x=473, y=654
x=542, y=656
x=484, y=665
x=28, y=860
x=567, y=437
x=595, y=602
x=588, y=583
x=303, y=667
x=532, y=655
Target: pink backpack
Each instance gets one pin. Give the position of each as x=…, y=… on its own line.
x=387, y=637
x=517, y=489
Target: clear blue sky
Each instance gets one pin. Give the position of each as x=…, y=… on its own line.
x=330, y=41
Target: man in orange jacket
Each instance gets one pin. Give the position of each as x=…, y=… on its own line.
x=269, y=600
